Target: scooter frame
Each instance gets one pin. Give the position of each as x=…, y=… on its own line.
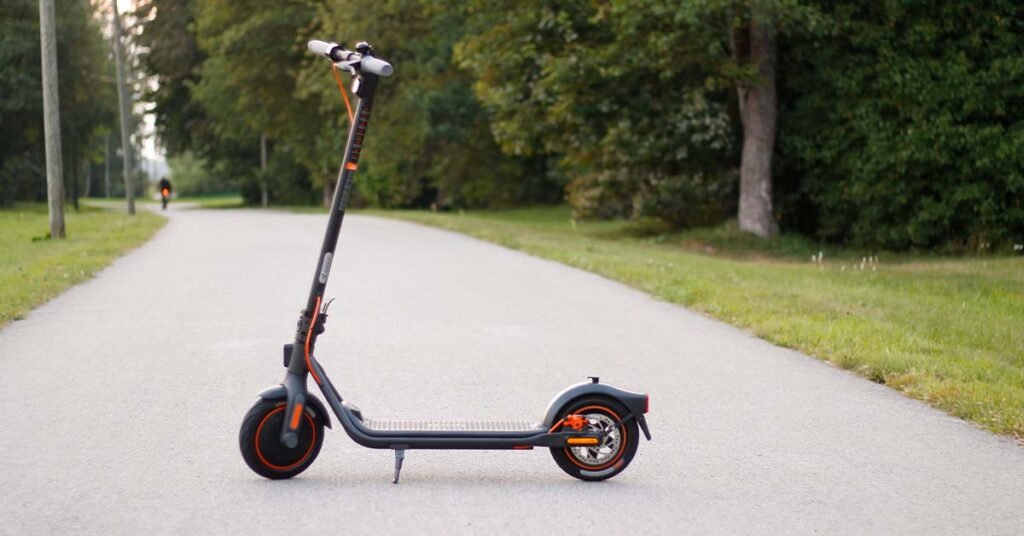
x=300, y=361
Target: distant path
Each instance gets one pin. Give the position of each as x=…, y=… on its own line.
x=120, y=401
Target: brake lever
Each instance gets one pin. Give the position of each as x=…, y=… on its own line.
x=323, y=310
x=347, y=65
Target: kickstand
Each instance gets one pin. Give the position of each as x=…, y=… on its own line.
x=399, y=457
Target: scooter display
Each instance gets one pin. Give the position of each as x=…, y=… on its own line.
x=591, y=428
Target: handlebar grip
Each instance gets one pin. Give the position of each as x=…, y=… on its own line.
x=375, y=66
x=321, y=48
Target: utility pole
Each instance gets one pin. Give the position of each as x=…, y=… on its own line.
x=51, y=119
x=122, y=97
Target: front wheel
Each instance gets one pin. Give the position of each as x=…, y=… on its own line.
x=611, y=457
x=260, y=440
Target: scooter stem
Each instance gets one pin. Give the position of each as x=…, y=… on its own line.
x=365, y=87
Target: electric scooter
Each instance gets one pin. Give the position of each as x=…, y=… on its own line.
x=591, y=428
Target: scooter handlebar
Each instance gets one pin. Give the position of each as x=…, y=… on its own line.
x=322, y=48
x=335, y=53
x=376, y=66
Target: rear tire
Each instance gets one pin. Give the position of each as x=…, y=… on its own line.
x=610, y=458
x=260, y=443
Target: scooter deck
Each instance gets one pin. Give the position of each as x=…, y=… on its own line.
x=450, y=425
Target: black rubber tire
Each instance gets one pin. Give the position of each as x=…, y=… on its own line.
x=621, y=457
x=262, y=450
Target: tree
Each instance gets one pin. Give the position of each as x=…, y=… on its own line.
x=249, y=78
x=616, y=95
x=432, y=144
x=754, y=43
x=85, y=74
x=170, y=54
x=904, y=124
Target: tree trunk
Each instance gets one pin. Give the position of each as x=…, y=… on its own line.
x=263, y=169
x=329, y=186
x=74, y=180
x=122, y=97
x=106, y=166
x=758, y=114
x=88, y=178
x=51, y=119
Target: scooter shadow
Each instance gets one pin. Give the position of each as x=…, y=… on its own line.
x=434, y=480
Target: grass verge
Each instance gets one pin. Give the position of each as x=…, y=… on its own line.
x=34, y=269
x=949, y=331
x=212, y=201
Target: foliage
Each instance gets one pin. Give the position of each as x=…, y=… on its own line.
x=903, y=124
x=191, y=176
x=87, y=99
x=899, y=124
x=171, y=56
x=612, y=90
x=247, y=85
x=433, y=141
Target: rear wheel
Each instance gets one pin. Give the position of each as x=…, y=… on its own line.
x=613, y=455
x=260, y=440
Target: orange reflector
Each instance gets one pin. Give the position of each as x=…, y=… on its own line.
x=296, y=416
x=164, y=191
x=351, y=166
x=582, y=441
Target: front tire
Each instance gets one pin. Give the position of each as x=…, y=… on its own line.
x=260, y=440
x=611, y=457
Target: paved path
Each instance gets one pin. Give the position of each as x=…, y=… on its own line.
x=120, y=401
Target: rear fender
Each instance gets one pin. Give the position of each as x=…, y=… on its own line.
x=278, y=392
x=636, y=403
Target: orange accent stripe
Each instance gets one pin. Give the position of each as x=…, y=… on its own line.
x=309, y=335
x=295, y=417
x=351, y=166
x=582, y=441
x=344, y=94
x=304, y=456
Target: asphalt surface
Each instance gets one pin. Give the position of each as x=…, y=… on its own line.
x=120, y=401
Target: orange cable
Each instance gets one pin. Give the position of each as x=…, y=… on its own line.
x=344, y=94
x=309, y=335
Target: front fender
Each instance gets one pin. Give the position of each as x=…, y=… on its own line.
x=636, y=403
x=278, y=391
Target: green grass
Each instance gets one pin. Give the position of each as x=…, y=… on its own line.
x=212, y=201
x=34, y=269
x=949, y=331
x=196, y=201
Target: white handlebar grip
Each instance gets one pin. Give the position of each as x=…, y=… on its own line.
x=378, y=67
x=321, y=48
